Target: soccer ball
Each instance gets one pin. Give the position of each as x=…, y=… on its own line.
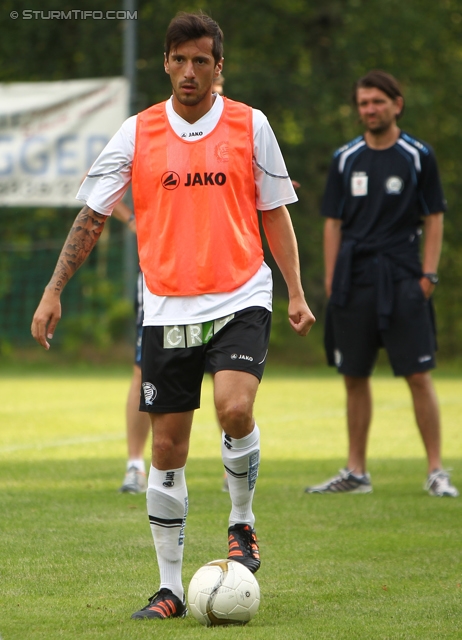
x=223, y=592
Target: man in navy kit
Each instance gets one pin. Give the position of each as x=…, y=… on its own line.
x=383, y=187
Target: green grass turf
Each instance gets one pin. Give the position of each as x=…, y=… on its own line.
x=76, y=557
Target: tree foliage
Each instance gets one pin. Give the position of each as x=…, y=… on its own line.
x=296, y=60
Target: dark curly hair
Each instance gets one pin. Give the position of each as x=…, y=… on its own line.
x=192, y=26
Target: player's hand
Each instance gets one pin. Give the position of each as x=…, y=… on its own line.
x=427, y=287
x=46, y=318
x=300, y=317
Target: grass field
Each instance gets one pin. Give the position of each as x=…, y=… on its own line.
x=76, y=557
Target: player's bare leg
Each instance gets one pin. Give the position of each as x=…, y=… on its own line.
x=359, y=415
x=170, y=439
x=427, y=416
x=138, y=422
x=428, y=420
x=138, y=428
x=354, y=478
x=234, y=394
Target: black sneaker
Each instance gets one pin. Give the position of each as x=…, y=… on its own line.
x=243, y=546
x=163, y=604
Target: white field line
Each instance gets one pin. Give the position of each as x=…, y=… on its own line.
x=39, y=446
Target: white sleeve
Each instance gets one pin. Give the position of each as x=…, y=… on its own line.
x=272, y=182
x=111, y=173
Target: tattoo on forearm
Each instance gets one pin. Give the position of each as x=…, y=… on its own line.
x=82, y=238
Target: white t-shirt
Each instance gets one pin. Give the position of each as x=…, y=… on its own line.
x=110, y=176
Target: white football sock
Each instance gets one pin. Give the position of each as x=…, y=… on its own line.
x=137, y=463
x=167, y=502
x=241, y=459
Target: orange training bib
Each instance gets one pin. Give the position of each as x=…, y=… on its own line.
x=196, y=218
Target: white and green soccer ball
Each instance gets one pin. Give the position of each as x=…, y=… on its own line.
x=223, y=592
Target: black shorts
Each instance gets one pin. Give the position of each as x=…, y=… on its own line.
x=174, y=358
x=410, y=340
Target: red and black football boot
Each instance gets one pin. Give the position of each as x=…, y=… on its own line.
x=243, y=546
x=163, y=604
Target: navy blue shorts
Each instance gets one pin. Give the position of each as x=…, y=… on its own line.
x=410, y=340
x=174, y=358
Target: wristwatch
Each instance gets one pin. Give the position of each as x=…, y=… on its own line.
x=433, y=277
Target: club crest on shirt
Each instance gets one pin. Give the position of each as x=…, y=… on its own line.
x=359, y=181
x=394, y=184
x=150, y=393
x=221, y=152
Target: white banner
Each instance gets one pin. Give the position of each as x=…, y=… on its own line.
x=50, y=134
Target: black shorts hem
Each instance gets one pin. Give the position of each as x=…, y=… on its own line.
x=397, y=373
x=400, y=374
x=254, y=372
x=174, y=409
x=356, y=374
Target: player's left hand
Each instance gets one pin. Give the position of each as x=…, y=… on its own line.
x=46, y=317
x=300, y=317
x=427, y=287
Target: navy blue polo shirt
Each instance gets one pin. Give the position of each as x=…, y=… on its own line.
x=382, y=195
